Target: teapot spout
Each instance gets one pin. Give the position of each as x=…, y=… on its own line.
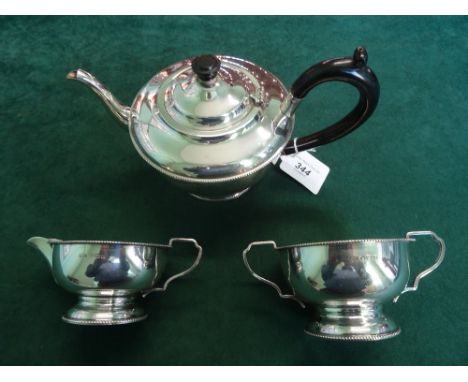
x=120, y=111
x=43, y=246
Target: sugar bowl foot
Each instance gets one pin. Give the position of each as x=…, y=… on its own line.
x=353, y=321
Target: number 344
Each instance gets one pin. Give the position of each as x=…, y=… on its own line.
x=303, y=169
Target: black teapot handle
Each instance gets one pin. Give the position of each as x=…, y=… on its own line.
x=353, y=70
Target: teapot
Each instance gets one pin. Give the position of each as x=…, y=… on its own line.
x=213, y=124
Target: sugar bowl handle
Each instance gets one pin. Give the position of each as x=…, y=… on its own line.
x=183, y=273
x=262, y=279
x=432, y=268
x=352, y=70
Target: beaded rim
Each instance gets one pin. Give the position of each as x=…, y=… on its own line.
x=111, y=242
x=356, y=337
x=103, y=322
x=352, y=241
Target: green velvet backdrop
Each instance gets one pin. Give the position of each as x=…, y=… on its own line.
x=68, y=170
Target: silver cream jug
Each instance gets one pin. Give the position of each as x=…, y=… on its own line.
x=109, y=277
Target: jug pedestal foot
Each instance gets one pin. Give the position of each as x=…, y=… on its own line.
x=353, y=321
x=221, y=198
x=105, y=310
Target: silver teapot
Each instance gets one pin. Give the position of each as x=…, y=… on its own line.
x=213, y=124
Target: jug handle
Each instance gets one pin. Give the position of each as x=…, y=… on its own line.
x=352, y=70
x=264, y=280
x=180, y=274
x=429, y=270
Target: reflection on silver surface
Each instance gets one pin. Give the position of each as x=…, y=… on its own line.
x=349, y=270
x=349, y=281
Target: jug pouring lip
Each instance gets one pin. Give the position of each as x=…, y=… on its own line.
x=35, y=240
x=43, y=245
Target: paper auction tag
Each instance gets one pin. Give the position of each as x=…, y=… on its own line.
x=306, y=169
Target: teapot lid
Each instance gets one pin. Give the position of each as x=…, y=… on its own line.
x=209, y=118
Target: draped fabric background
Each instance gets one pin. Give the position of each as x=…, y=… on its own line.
x=68, y=170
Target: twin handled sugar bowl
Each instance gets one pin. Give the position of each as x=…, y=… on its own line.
x=108, y=276
x=349, y=281
x=213, y=124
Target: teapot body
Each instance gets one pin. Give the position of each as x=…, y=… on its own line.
x=218, y=148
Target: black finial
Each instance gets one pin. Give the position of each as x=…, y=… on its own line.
x=206, y=67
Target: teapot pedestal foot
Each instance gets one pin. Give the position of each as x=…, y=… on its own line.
x=221, y=198
x=106, y=309
x=352, y=321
